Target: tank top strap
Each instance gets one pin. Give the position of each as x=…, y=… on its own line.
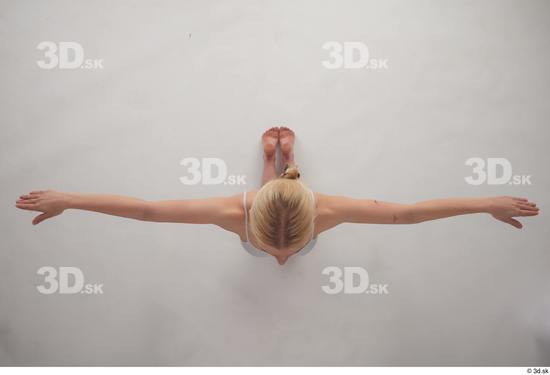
x=314, y=205
x=245, y=216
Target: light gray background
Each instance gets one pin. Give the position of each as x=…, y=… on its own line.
x=465, y=79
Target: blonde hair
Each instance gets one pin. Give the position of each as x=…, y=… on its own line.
x=283, y=212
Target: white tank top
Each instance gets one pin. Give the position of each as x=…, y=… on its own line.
x=260, y=253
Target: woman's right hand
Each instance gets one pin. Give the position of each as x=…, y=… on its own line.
x=51, y=203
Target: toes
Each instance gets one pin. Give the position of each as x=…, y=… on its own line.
x=286, y=130
x=271, y=132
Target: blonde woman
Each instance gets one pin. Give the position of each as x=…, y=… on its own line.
x=282, y=218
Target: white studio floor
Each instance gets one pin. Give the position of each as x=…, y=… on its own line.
x=203, y=79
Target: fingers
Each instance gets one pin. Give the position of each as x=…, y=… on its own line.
x=26, y=206
x=520, y=199
x=27, y=200
x=30, y=197
x=40, y=218
x=514, y=223
x=528, y=207
x=527, y=213
x=525, y=208
x=530, y=204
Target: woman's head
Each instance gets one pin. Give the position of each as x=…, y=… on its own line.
x=282, y=215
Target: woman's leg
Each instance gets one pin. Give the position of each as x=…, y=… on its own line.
x=270, y=138
x=286, y=140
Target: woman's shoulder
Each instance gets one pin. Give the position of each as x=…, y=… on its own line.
x=233, y=211
x=326, y=212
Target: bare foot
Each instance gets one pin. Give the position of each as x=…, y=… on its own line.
x=286, y=139
x=269, y=141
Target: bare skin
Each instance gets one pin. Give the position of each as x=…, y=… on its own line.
x=270, y=140
x=286, y=139
x=227, y=212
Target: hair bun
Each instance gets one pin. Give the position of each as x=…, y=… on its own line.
x=291, y=172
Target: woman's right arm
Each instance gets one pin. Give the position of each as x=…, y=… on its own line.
x=221, y=211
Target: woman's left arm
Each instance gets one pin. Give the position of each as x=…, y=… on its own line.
x=340, y=209
x=501, y=208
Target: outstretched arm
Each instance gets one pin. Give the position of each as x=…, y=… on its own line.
x=198, y=211
x=344, y=209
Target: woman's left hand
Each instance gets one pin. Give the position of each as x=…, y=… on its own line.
x=505, y=208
